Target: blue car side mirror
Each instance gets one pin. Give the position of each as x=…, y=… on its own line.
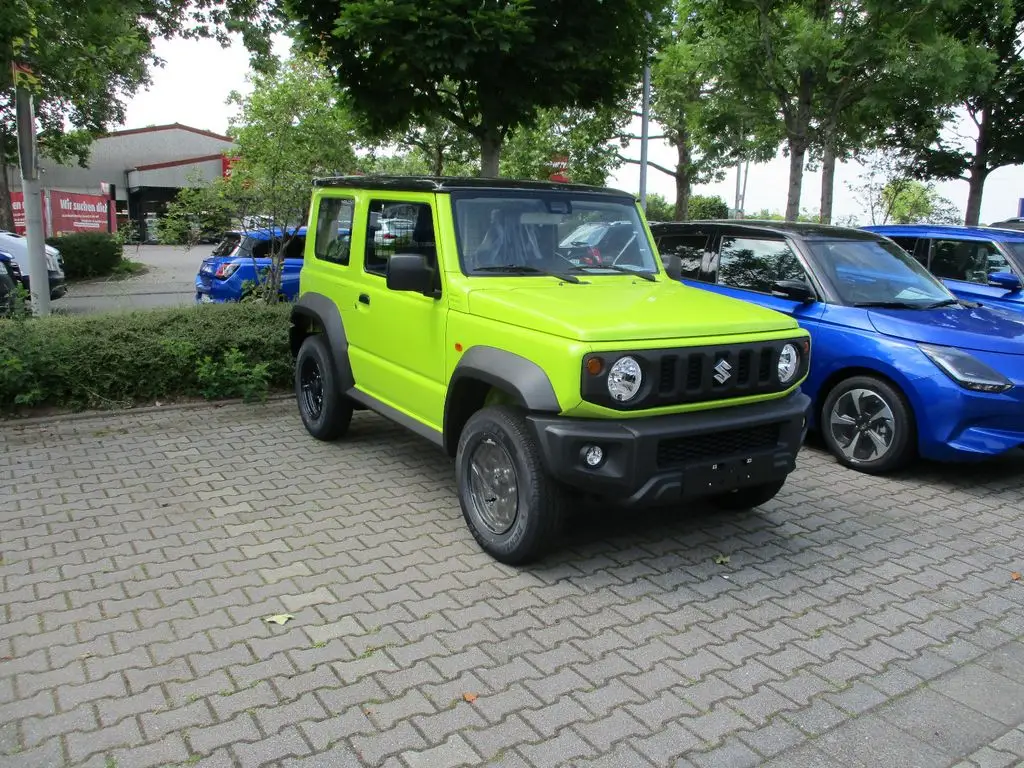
x=1005, y=280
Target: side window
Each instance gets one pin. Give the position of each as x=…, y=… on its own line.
x=295, y=247
x=398, y=227
x=968, y=260
x=689, y=249
x=909, y=244
x=333, y=230
x=756, y=264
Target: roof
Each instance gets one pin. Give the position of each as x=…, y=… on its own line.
x=931, y=230
x=455, y=183
x=168, y=127
x=793, y=228
x=265, y=233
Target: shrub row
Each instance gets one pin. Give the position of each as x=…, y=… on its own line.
x=119, y=360
x=88, y=254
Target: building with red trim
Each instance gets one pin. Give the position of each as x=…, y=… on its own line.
x=146, y=167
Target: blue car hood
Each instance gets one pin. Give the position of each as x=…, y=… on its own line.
x=981, y=329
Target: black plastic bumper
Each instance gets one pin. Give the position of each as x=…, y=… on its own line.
x=58, y=286
x=663, y=459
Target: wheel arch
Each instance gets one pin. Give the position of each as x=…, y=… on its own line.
x=485, y=376
x=315, y=313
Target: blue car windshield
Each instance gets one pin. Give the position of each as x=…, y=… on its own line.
x=1017, y=252
x=874, y=272
x=528, y=234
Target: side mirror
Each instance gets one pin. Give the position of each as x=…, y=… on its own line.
x=794, y=290
x=673, y=266
x=409, y=272
x=1005, y=280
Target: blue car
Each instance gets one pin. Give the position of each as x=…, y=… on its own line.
x=239, y=260
x=899, y=366
x=981, y=264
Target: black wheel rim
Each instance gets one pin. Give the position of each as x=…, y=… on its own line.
x=311, y=383
x=493, y=486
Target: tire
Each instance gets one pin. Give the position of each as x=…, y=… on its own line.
x=330, y=420
x=747, y=498
x=851, y=408
x=498, y=437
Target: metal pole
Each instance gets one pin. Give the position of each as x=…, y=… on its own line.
x=736, y=199
x=743, y=195
x=39, y=279
x=645, y=124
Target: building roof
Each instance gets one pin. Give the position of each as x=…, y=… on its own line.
x=454, y=183
x=933, y=230
x=169, y=127
x=793, y=228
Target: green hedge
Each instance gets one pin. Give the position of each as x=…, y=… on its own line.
x=88, y=254
x=117, y=360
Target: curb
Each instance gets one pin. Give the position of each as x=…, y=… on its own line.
x=146, y=409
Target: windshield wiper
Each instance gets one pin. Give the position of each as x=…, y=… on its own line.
x=614, y=268
x=890, y=305
x=525, y=269
x=943, y=303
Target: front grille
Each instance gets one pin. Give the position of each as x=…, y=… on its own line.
x=676, y=451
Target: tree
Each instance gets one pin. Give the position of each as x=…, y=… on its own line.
x=198, y=210
x=444, y=148
x=711, y=125
x=889, y=195
x=89, y=56
x=583, y=136
x=833, y=68
x=704, y=207
x=658, y=208
x=486, y=67
x=994, y=98
x=290, y=129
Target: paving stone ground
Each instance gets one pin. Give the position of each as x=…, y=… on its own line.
x=858, y=622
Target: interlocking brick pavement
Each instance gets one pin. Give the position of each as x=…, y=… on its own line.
x=859, y=621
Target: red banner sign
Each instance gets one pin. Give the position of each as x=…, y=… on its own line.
x=18, y=205
x=65, y=212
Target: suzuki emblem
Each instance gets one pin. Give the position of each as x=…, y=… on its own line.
x=722, y=371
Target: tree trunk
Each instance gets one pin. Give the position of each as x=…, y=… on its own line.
x=978, y=173
x=438, y=161
x=798, y=128
x=828, y=182
x=6, y=209
x=682, y=212
x=490, y=155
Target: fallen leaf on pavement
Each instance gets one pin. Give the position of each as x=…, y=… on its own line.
x=279, y=618
x=721, y=559
x=1015, y=576
x=470, y=697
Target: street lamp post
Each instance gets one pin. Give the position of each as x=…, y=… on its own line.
x=39, y=280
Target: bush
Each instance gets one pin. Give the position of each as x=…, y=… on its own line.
x=88, y=254
x=704, y=207
x=119, y=360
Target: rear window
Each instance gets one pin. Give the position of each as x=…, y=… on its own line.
x=227, y=245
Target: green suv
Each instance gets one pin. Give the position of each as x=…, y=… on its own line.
x=531, y=331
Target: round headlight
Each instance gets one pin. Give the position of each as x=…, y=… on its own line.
x=624, y=379
x=789, y=364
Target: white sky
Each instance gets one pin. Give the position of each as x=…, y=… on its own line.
x=198, y=76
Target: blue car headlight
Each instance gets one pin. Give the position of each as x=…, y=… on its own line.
x=966, y=370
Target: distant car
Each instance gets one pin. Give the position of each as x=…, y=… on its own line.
x=10, y=280
x=598, y=242
x=900, y=367
x=392, y=229
x=1014, y=223
x=979, y=264
x=17, y=246
x=240, y=261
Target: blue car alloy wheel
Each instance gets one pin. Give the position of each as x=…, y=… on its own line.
x=867, y=424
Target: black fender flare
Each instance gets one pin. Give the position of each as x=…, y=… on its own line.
x=524, y=380
x=316, y=310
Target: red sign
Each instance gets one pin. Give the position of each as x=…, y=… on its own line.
x=72, y=212
x=18, y=205
x=225, y=165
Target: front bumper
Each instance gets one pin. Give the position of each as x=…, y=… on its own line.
x=58, y=285
x=664, y=459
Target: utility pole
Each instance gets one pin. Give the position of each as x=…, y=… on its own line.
x=645, y=129
x=39, y=279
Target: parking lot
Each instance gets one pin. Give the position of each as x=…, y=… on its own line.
x=851, y=621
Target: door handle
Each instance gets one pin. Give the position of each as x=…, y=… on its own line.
x=364, y=298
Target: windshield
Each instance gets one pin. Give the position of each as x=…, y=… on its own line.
x=875, y=272
x=1016, y=251
x=550, y=233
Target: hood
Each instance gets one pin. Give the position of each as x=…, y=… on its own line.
x=982, y=329
x=621, y=309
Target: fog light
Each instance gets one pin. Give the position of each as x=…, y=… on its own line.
x=593, y=455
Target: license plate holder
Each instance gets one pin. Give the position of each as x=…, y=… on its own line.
x=724, y=475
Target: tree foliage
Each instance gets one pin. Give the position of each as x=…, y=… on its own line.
x=486, y=67
x=993, y=33
x=89, y=56
x=888, y=194
x=703, y=207
x=658, y=208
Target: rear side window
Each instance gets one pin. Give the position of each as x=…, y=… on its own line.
x=756, y=264
x=688, y=248
x=395, y=226
x=227, y=246
x=333, y=230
